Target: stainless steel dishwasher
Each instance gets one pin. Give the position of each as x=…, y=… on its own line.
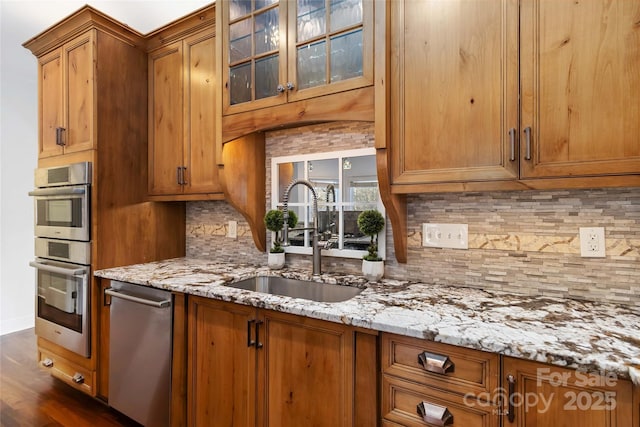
x=140, y=352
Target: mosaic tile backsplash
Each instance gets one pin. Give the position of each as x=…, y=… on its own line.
x=524, y=242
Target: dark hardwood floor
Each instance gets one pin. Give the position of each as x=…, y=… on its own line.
x=31, y=397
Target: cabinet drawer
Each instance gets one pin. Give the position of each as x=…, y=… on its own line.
x=467, y=370
x=401, y=400
x=66, y=371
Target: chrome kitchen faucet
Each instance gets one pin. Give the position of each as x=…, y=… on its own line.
x=317, y=267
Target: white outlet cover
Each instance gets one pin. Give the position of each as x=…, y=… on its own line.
x=592, y=242
x=455, y=236
x=232, y=230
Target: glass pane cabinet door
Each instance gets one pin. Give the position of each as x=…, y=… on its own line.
x=329, y=44
x=254, y=58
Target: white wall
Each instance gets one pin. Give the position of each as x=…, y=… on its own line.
x=19, y=21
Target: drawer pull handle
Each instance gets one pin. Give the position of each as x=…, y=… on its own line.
x=78, y=378
x=438, y=363
x=47, y=363
x=435, y=414
x=511, y=412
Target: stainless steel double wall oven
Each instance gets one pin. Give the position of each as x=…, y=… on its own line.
x=63, y=255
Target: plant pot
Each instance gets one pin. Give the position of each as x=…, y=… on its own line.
x=276, y=260
x=373, y=270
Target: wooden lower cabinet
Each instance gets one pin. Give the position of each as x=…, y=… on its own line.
x=545, y=395
x=254, y=367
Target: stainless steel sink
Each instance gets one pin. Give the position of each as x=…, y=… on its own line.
x=314, y=291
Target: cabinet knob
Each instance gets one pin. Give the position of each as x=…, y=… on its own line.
x=438, y=363
x=280, y=88
x=78, y=378
x=435, y=414
x=47, y=363
x=290, y=86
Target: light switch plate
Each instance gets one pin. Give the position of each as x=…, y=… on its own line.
x=454, y=236
x=592, y=242
x=232, y=230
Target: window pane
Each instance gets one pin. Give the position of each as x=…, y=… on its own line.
x=312, y=67
x=264, y=3
x=346, y=56
x=287, y=173
x=345, y=13
x=360, y=181
x=240, y=83
x=240, y=41
x=238, y=8
x=296, y=238
x=266, y=77
x=312, y=17
x=267, y=32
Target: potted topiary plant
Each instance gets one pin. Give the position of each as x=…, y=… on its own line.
x=274, y=221
x=370, y=223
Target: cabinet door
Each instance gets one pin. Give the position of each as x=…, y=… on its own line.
x=50, y=102
x=79, y=74
x=221, y=366
x=306, y=372
x=165, y=119
x=580, y=86
x=330, y=47
x=454, y=90
x=201, y=175
x=254, y=40
x=545, y=395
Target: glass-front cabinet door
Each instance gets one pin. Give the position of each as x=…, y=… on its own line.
x=280, y=51
x=254, y=53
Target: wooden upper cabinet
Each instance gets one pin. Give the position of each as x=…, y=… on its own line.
x=67, y=77
x=580, y=77
x=165, y=119
x=453, y=91
x=496, y=94
x=276, y=52
x=545, y=395
x=182, y=103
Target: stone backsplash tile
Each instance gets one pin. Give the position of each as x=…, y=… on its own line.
x=524, y=242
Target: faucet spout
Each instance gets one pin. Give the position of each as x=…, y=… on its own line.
x=317, y=263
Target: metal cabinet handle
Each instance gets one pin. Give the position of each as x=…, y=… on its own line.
x=512, y=142
x=280, y=88
x=438, y=363
x=47, y=363
x=184, y=180
x=527, y=135
x=511, y=412
x=290, y=86
x=250, y=342
x=178, y=175
x=78, y=378
x=59, y=138
x=258, y=343
x=435, y=414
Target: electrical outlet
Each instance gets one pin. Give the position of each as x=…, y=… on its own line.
x=592, y=242
x=232, y=230
x=454, y=236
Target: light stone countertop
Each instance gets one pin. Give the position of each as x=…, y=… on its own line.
x=596, y=337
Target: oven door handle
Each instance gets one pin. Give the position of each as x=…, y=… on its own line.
x=77, y=272
x=119, y=294
x=60, y=191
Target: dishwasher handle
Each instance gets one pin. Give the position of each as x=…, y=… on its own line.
x=119, y=294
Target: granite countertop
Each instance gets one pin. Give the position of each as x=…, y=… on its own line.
x=596, y=337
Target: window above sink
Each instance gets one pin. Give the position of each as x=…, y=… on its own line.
x=346, y=183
